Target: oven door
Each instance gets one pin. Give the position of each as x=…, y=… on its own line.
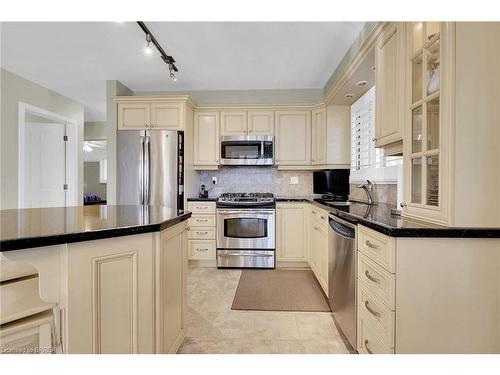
x=246, y=150
x=245, y=229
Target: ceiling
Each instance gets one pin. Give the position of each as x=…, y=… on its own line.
x=75, y=59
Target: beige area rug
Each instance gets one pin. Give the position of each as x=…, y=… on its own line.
x=279, y=290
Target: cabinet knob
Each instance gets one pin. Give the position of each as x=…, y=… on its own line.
x=402, y=204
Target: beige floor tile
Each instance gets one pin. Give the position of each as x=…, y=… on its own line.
x=213, y=328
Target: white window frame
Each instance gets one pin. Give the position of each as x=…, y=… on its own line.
x=375, y=172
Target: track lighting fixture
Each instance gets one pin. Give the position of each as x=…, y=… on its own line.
x=169, y=60
x=149, y=49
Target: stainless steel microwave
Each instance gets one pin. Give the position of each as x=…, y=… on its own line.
x=247, y=150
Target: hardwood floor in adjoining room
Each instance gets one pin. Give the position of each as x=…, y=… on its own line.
x=213, y=328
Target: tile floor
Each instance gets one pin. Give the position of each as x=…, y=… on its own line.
x=214, y=328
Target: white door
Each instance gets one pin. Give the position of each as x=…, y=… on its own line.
x=45, y=166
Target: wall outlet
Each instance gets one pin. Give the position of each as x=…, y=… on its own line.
x=294, y=180
x=214, y=180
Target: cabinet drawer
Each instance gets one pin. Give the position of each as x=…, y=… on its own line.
x=201, y=250
x=377, y=280
x=371, y=309
x=368, y=341
x=319, y=218
x=202, y=221
x=201, y=233
x=201, y=207
x=377, y=247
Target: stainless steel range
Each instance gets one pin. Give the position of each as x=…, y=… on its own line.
x=246, y=234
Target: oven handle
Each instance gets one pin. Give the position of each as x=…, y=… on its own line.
x=245, y=212
x=246, y=255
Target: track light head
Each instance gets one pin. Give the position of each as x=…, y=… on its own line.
x=148, y=49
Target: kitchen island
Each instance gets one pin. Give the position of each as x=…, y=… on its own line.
x=116, y=275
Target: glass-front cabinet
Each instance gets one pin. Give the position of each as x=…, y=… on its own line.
x=425, y=122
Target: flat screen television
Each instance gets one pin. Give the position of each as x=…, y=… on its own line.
x=332, y=182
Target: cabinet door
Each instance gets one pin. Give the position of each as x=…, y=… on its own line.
x=233, y=123
x=389, y=92
x=293, y=137
x=110, y=304
x=206, y=138
x=291, y=232
x=171, y=288
x=318, y=137
x=261, y=122
x=167, y=116
x=135, y=115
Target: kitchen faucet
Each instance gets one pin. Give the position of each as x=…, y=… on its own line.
x=368, y=188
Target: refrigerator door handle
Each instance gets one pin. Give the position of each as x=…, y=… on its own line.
x=146, y=169
x=141, y=170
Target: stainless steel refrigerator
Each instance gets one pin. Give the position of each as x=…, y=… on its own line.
x=150, y=168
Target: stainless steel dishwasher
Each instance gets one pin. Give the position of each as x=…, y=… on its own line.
x=342, y=259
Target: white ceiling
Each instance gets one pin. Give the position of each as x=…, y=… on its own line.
x=75, y=59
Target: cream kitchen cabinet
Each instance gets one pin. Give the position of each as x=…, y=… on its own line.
x=260, y=122
x=206, y=140
x=293, y=138
x=233, y=123
x=135, y=115
x=110, y=304
x=247, y=122
x=171, y=291
x=202, y=231
x=447, y=160
x=318, y=136
x=389, y=85
x=142, y=112
x=291, y=232
x=318, y=245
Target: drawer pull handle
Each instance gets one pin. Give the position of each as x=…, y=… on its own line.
x=367, y=348
x=201, y=249
x=201, y=232
x=188, y=228
x=370, y=245
x=370, y=310
x=322, y=217
x=201, y=207
x=202, y=220
x=371, y=278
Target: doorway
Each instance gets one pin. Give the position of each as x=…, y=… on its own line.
x=48, y=159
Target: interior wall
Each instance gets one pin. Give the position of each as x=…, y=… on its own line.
x=91, y=184
x=15, y=89
x=113, y=88
x=94, y=130
x=232, y=97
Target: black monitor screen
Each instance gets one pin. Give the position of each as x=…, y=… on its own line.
x=331, y=182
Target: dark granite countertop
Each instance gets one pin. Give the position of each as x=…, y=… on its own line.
x=35, y=227
x=378, y=217
x=209, y=199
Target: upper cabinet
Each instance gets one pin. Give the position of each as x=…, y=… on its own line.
x=206, y=139
x=136, y=113
x=318, y=136
x=260, y=122
x=293, y=138
x=389, y=82
x=233, y=123
x=252, y=122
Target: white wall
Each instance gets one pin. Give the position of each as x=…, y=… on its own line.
x=15, y=89
x=94, y=130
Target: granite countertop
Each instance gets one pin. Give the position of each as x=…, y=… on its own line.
x=35, y=227
x=378, y=217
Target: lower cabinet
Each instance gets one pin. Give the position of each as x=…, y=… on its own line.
x=171, y=291
x=126, y=294
x=110, y=296
x=291, y=232
x=318, y=245
x=202, y=231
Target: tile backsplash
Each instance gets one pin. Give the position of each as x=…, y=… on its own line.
x=257, y=179
x=382, y=193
